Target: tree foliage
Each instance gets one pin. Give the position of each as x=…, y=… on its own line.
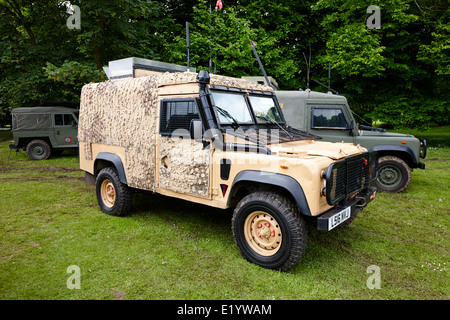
x=403, y=68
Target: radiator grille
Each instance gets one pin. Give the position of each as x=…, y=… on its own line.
x=348, y=177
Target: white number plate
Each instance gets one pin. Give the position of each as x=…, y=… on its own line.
x=339, y=217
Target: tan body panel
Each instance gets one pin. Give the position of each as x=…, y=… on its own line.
x=306, y=171
x=95, y=148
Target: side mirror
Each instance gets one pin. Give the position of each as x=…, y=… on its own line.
x=195, y=129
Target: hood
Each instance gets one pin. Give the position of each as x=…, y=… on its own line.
x=382, y=134
x=305, y=148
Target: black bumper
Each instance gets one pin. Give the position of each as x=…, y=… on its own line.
x=335, y=216
x=421, y=165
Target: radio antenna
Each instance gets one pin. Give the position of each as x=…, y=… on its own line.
x=329, y=77
x=187, y=43
x=308, y=66
x=260, y=64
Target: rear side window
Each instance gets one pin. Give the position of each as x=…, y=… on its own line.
x=177, y=114
x=64, y=120
x=328, y=117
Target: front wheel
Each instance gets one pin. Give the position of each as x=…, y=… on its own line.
x=269, y=230
x=394, y=174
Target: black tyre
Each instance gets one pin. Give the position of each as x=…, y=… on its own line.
x=38, y=150
x=394, y=174
x=269, y=231
x=114, y=197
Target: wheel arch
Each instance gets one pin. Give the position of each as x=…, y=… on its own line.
x=22, y=142
x=248, y=181
x=402, y=152
x=107, y=159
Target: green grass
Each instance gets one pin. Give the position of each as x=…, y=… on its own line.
x=171, y=249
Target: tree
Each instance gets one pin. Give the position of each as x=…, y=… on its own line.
x=385, y=67
x=226, y=35
x=43, y=60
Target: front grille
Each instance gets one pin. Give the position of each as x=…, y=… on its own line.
x=348, y=177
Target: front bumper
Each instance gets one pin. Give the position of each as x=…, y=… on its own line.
x=421, y=165
x=340, y=213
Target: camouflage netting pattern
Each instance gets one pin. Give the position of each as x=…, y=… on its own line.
x=124, y=113
x=187, y=168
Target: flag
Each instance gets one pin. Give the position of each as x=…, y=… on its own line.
x=219, y=4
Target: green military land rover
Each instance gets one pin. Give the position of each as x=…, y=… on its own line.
x=329, y=116
x=43, y=131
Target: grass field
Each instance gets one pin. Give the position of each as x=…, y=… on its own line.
x=170, y=249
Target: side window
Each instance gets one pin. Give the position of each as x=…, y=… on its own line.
x=325, y=117
x=59, y=120
x=177, y=114
x=68, y=120
x=64, y=120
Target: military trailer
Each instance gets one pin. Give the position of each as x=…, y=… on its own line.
x=329, y=116
x=43, y=131
x=221, y=142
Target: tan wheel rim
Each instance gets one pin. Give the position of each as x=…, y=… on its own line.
x=262, y=233
x=108, y=193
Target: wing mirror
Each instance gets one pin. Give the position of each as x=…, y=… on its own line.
x=196, y=129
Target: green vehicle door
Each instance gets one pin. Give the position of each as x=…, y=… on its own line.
x=66, y=130
x=331, y=122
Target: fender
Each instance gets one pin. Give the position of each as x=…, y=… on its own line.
x=275, y=179
x=116, y=161
x=403, y=149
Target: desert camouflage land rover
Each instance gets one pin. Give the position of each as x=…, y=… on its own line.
x=221, y=142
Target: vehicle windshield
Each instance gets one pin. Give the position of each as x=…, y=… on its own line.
x=265, y=109
x=234, y=109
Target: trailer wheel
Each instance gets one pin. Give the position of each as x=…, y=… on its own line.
x=394, y=174
x=269, y=231
x=114, y=197
x=38, y=150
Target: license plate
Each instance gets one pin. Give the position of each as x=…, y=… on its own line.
x=339, y=217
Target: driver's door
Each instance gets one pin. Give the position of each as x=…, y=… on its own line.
x=330, y=122
x=66, y=130
x=184, y=163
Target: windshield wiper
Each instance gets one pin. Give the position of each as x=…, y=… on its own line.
x=225, y=113
x=267, y=118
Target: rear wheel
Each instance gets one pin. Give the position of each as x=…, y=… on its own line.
x=114, y=197
x=38, y=150
x=269, y=230
x=394, y=174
